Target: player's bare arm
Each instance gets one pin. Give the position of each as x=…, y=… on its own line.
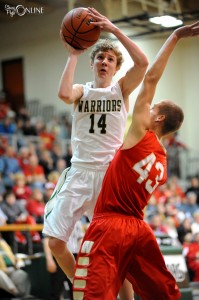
x=141, y=113
x=135, y=74
x=69, y=92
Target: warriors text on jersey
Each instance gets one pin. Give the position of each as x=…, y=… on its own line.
x=132, y=177
x=98, y=125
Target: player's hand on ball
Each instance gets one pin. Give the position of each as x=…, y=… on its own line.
x=69, y=47
x=78, y=28
x=103, y=22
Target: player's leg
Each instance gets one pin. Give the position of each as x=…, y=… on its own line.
x=64, y=209
x=148, y=273
x=63, y=256
x=96, y=275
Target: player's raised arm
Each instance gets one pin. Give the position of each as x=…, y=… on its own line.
x=68, y=92
x=141, y=114
x=135, y=74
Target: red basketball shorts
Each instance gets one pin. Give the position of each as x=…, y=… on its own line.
x=116, y=247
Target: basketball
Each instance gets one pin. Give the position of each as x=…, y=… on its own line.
x=78, y=30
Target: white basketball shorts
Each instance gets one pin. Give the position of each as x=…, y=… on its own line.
x=76, y=192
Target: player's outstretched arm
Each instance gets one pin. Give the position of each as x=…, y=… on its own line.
x=141, y=111
x=136, y=73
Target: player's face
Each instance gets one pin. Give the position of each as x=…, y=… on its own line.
x=105, y=64
x=154, y=111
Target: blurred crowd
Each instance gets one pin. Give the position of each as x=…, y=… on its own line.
x=30, y=168
x=173, y=210
x=32, y=157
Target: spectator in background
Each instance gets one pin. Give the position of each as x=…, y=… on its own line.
x=2, y=188
x=49, y=188
x=17, y=214
x=171, y=229
x=174, y=187
x=173, y=145
x=171, y=211
x=3, y=144
x=9, y=166
x=60, y=165
x=56, y=153
x=12, y=279
x=53, y=177
x=184, y=229
x=192, y=258
x=29, y=128
x=162, y=193
x=32, y=148
x=8, y=125
x=45, y=135
x=195, y=223
x=157, y=225
x=194, y=187
x=46, y=161
x=40, y=147
x=35, y=206
x=21, y=190
x=151, y=208
x=189, y=205
x=4, y=105
x=53, y=126
x=188, y=239
x=23, y=157
x=34, y=173
x=3, y=218
x=21, y=117
x=23, y=114
x=65, y=128
x=21, y=142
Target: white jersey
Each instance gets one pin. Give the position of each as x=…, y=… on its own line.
x=98, y=125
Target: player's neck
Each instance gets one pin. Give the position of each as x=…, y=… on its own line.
x=101, y=83
x=159, y=137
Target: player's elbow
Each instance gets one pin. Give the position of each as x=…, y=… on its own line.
x=64, y=97
x=143, y=63
x=151, y=78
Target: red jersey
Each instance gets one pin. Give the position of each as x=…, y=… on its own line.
x=35, y=208
x=132, y=177
x=33, y=171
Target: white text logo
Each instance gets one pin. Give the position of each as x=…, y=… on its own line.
x=20, y=10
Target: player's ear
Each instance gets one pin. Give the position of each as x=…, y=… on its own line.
x=160, y=118
x=117, y=69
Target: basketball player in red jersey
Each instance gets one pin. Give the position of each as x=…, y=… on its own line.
x=119, y=244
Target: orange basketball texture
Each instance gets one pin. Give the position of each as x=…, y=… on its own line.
x=78, y=30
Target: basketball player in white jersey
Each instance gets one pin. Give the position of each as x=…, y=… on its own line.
x=99, y=119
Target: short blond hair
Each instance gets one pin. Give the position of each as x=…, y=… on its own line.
x=105, y=45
